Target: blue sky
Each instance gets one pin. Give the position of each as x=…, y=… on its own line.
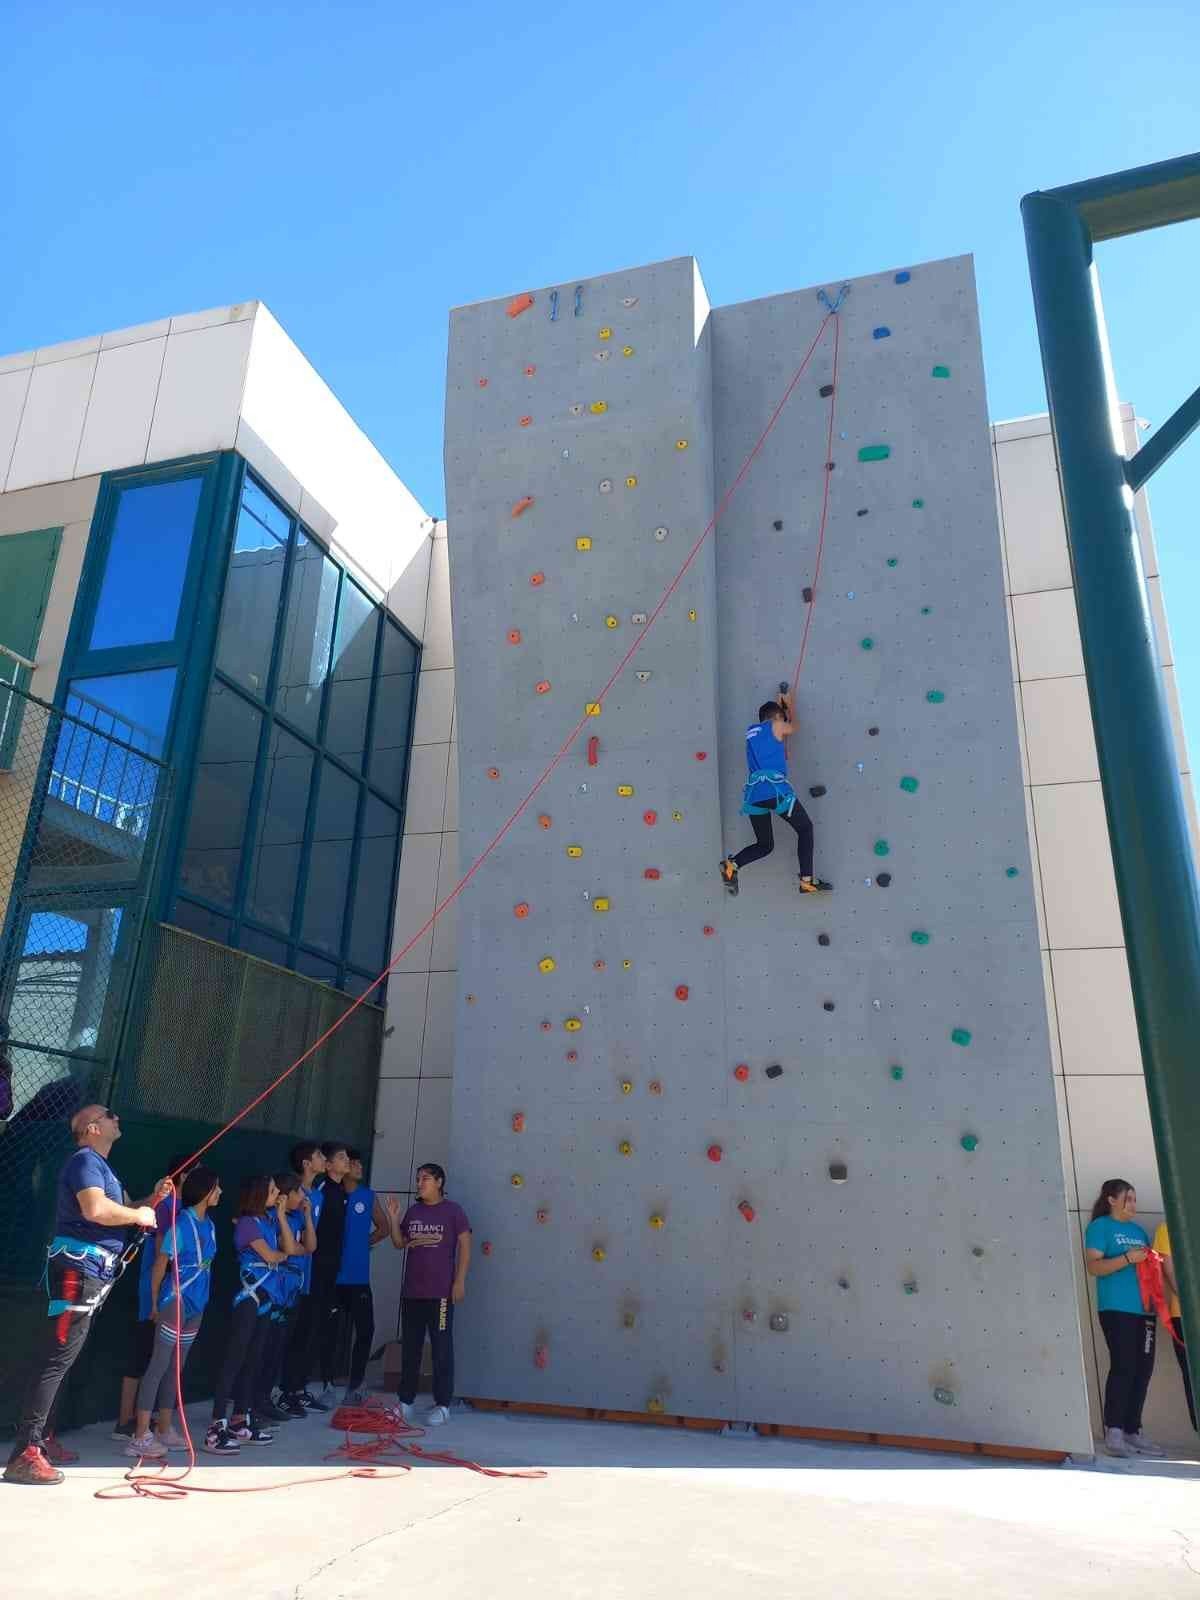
x=362, y=168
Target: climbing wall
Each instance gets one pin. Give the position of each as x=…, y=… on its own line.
x=776, y=1158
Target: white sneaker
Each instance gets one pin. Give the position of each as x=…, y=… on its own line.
x=1142, y=1446
x=405, y=1410
x=172, y=1439
x=145, y=1447
x=1115, y=1443
x=437, y=1417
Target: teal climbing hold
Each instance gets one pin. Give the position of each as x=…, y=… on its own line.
x=926, y=611
x=935, y=697
x=940, y=372
x=960, y=1036
x=910, y=1287
x=909, y=785
x=892, y=561
x=1012, y=872
x=918, y=505
x=882, y=847
x=897, y=1073
x=867, y=644
x=875, y=452
x=919, y=936
x=969, y=1142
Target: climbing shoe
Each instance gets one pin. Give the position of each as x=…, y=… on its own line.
x=815, y=886
x=729, y=874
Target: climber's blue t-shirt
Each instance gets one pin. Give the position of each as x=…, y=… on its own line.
x=1119, y=1290
x=764, y=753
x=356, y=1241
x=196, y=1238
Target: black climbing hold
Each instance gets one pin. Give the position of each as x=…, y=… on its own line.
x=807, y=592
x=828, y=1005
x=817, y=790
x=843, y=1283
x=823, y=938
x=829, y=466
x=837, y=1171
x=774, y=1072
x=825, y=391
x=872, y=731
x=778, y=524
x=883, y=879
x=861, y=513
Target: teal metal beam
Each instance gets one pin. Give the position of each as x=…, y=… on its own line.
x=1147, y=823
x=1163, y=442
x=1136, y=200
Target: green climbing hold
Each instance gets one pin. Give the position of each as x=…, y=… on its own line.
x=919, y=936
x=892, y=561
x=910, y=1287
x=897, y=1073
x=1012, y=872
x=940, y=372
x=875, y=452
x=866, y=644
x=926, y=611
x=960, y=1036
x=918, y=505
x=882, y=847
x=909, y=785
x=935, y=697
x=944, y=1397
x=969, y=1142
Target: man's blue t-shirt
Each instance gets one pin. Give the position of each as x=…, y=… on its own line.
x=356, y=1241
x=1119, y=1290
x=86, y=1169
x=764, y=753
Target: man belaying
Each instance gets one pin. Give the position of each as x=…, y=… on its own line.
x=769, y=794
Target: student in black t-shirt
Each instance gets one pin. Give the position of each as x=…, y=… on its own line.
x=320, y=1305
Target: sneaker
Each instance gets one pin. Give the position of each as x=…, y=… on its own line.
x=729, y=874
x=815, y=886
x=311, y=1403
x=146, y=1447
x=1115, y=1443
x=122, y=1432
x=1142, y=1446
x=437, y=1417
x=404, y=1411
x=57, y=1453
x=218, y=1441
x=247, y=1431
x=265, y=1411
x=172, y=1439
x=291, y=1406
x=31, y=1467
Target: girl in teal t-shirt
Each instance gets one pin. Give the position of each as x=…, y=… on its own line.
x=1114, y=1244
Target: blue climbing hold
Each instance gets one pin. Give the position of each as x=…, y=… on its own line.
x=881, y=333
x=579, y=300
x=554, y=305
x=903, y=277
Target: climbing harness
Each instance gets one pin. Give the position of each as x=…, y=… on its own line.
x=783, y=797
x=200, y=1269
x=95, y=1260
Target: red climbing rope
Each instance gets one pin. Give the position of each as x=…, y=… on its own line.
x=837, y=334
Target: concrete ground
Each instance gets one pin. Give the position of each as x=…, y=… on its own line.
x=626, y=1511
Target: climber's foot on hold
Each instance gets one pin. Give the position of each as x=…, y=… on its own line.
x=729, y=874
x=815, y=886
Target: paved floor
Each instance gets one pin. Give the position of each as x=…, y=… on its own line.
x=629, y=1512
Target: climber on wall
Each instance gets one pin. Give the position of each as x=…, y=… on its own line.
x=769, y=794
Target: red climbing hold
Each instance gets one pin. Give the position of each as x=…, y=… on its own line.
x=593, y=751
x=525, y=421
x=529, y=371
x=682, y=992
x=747, y=1210
x=600, y=965
x=536, y=580
x=742, y=1073
x=493, y=773
x=514, y=636
x=544, y=686
x=541, y=1358
x=483, y=383
x=487, y=1247
x=654, y=1087
x=546, y=1026
x=715, y=1152
x=701, y=755
x=708, y=931
x=544, y=821
x=543, y=1216
x=653, y=872
x=649, y=818
x=518, y=1122
x=521, y=302
x=521, y=909
x=572, y=1055
x=522, y=505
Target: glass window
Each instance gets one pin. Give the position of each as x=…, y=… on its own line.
x=393, y=711
x=354, y=983
x=263, y=946
x=353, y=666
x=146, y=565
x=372, y=917
x=307, y=636
x=224, y=774
x=63, y=977
x=314, y=967
x=252, y=588
x=186, y=914
x=276, y=864
x=94, y=770
x=329, y=862
x=132, y=706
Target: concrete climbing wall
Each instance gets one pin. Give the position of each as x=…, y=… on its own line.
x=769, y=1158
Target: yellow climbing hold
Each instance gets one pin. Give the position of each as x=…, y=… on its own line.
x=677, y=816
x=599, y=1253
x=593, y=708
x=627, y=350
x=625, y=1147
x=517, y=1181
x=606, y=333
x=600, y=903
x=598, y=407
x=572, y=1024
x=631, y=482
x=692, y=615
x=655, y=1405
x=625, y=790
x=611, y=622
x=547, y=964
x=574, y=851
x=626, y=1086
x=583, y=544
x=627, y=965
x=681, y=444
x=658, y=1223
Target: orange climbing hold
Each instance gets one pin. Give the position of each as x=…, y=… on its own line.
x=649, y=818
x=521, y=302
x=715, y=1152
x=518, y=1122
x=543, y=687
x=742, y=1073
x=521, y=909
x=682, y=992
x=514, y=636
x=522, y=505
x=654, y=874
x=536, y=580
x=747, y=1210
x=525, y=421
x=544, y=821
x=654, y=1087
x=493, y=773
x=517, y=1181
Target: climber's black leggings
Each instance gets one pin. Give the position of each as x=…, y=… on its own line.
x=764, y=838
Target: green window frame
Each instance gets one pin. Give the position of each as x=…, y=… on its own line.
x=27, y=564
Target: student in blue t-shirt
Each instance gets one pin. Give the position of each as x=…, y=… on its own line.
x=297, y=1214
x=768, y=794
x=366, y=1225
x=188, y=1244
x=1114, y=1244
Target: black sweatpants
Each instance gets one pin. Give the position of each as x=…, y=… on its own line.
x=418, y=1318
x=1130, y=1339
x=356, y=1300
x=62, y=1338
x=238, y=1380
x=1181, y=1357
x=316, y=1310
x=275, y=1343
x=764, y=838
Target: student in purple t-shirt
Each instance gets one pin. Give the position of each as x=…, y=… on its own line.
x=436, y=1232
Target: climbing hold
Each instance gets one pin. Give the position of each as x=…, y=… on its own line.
x=827, y=1005
x=631, y=482
x=605, y=333
x=708, y=930
x=543, y=1215
x=574, y=851
x=518, y=1122
x=522, y=505
x=701, y=755
x=944, y=1397
x=642, y=677
x=536, y=580
x=926, y=610
x=583, y=543
x=677, y=816
x=825, y=391
x=598, y=407
x=627, y=350
x=493, y=773
x=514, y=636
x=625, y=790
x=522, y=302
x=482, y=382
x=605, y=486
x=592, y=708
x=572, y=1024
x=881, y=333
x=969, y=1142
x=652, y=873
x=600, y=903
x=638, y=618
x=892, y=561
x=487, y=1247
x=714, y=1152
x=778, y=524
x=977, y=1250
x=875, y=452
x=918, y=505
x=837, y=1172
x=625, y=1147
x=882, y=879
x=746, y=1209
x=919, y=936
x=626, y=966
x=654, y=1087
x=742, y=1073
x=681, y=991
x=910, y=1286
x=543, y=686
x=599, y=1253
x=656, y=1405
x=601, y=355
x=546, y=1026
x=572, y=1055
x=778, y=1322
x=1012, y=872
x=749, y=1314
x=692, y=615
x=541, y=1358
x=517, y=1181
x=720, y=1366
x=547, y=964
x=859, y=767
x=658, y=1223
x=877, y=1005
x=829, y=466
x=661, y=533
x=544, y=821
x=940, y=372
x=882, y=848
x=910, y=785
x=521, y=909
x=873, y=732
x=863, y=513
x=897, y=1072
x=681, y=444
x=902, y=277
x=593, y=750
x=823, y=939
x=599, y=965
x=935, y=697
x=649, y=818
x=576, y=410
x=629, y=300
x=960, y=1036
x=817, y=790
x=470, y=999
x=611, y=622
x=774, y=1071
x=866, y=644
x=525, y=421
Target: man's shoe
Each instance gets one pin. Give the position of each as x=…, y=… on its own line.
x=57, y=1453
x=31, y=1467
x=438, y=1416
x=729, y=873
